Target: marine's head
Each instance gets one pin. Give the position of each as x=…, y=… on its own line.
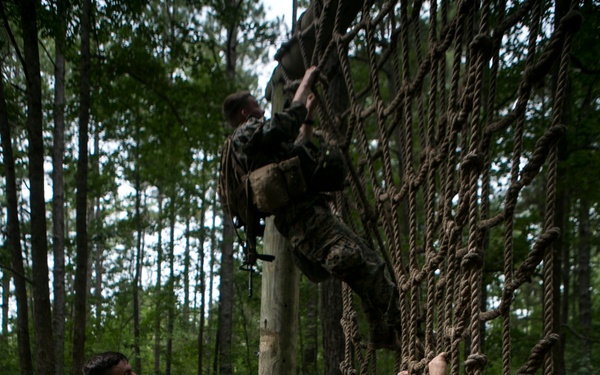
x=239, y=107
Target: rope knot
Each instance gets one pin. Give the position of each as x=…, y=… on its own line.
x=450, y=227
x=476, y=360
x=472, y=260
x=472, y=163
x=542, y=148
x=484, y=44
x=457, y=120
x=572, y=21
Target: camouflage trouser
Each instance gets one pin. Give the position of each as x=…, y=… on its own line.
x=322, y=239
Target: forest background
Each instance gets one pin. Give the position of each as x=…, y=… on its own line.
x=111, y=231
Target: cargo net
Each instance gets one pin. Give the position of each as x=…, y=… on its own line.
x=435, y=106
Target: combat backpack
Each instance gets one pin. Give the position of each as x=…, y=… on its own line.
x=236, y=198
x=249, y=197
x=235, y=192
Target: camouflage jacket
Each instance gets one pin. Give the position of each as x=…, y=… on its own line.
x=257, y=143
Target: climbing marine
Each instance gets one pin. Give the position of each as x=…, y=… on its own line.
x=289, y=173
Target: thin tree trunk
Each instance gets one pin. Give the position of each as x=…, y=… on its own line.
x=58, y=190
x=563, y=206
x=200, y=266
x=202, y=309
x=226, y=299
x=138, y=264
x=81, y=274
x=5, y=299
x=157, y=321
x=584, y=284
x=14, y=240
x=96, y=260
x=186, y=278
x=42, y=317
x=171, y=284
x=211, y=273
x=13, y=243
x=226, y=283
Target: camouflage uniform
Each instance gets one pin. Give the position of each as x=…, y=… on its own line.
x=321, y=244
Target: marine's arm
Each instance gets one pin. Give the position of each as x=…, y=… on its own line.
x=306, y=130
x=285, y=126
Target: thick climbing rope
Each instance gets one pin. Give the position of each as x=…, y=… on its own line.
x=421, y=118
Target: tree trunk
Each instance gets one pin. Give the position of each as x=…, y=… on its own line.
x=14, y=240
x=186, y=278
x=226, y=283
x=200, y=265
x=58, y=190
x=226, y=298
x=5, y=299
x=171, y=301
x=98, y=238
x=202, y=281
x=584, y=285
x=81, y=289
x=138, y=266
x=39, y=243
x=207, y=302
x=332, y=307
x=158, y=302
x=563, y=199
x=279, y=307
x=561, y=211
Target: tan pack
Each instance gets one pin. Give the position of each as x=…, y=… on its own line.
x=275, y=184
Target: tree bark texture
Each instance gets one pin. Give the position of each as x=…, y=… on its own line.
x=226, y=298
x=226, y=283
x=5, y=298
x=279, y=307
x=138, y=266
x=14, y=236
x=171, y=300
x=561, y=211
x=186, y=277
x=58, y=190
x=584, y=283
x=81, y=273
x=42, y=317
x=158, y=302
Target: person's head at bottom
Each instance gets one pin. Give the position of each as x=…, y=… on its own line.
x=108, y=363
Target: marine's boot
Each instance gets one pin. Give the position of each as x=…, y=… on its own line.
x=382, y=335
x=385, y=329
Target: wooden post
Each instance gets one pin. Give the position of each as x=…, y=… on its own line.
x=279, y=294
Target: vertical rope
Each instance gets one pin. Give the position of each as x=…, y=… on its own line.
x=557, y=118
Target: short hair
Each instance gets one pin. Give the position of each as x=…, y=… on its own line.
x=101, y=363
x=232, y=105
